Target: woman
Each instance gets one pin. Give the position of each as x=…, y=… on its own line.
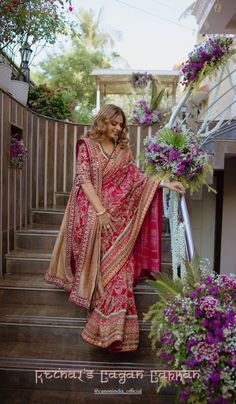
x=110, y=235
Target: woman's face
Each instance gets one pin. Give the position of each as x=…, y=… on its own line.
x=115, y=127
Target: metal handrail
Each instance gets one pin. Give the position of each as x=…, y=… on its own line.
x=217, y=99
x=221, y=81
x=183, y=205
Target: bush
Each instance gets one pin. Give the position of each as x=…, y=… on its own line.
x=58, y=104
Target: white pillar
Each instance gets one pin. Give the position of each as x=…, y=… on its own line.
x=98, y=98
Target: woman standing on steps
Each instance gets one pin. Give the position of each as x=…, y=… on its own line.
x=110, y=235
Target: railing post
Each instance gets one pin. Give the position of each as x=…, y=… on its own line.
x=188, y=229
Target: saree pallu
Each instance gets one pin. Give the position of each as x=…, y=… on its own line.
x=99, y=269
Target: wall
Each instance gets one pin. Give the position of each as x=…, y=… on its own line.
x=202, y=214
x=228, y=240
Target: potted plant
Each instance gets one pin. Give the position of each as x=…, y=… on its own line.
x=5, y=74
x=18, y=152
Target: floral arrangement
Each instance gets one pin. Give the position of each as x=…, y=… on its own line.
x=18, y=152
x=193, y=327
x=205, y=58
x=175, y=155
x=32, y=21
x=144, y=114
x=141, y=80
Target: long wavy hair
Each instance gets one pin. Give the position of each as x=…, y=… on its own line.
x=100, y=124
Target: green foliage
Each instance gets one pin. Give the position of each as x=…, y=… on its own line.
x=167, y=289
x=83, y=114
x=91, y=34
x=156, y=97
x=171, y=138
x=58, y=104
x=32, y=21
x=155, y=314
x=165, y=286
x=72, y=68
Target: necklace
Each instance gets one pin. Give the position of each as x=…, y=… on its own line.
x=105, y=154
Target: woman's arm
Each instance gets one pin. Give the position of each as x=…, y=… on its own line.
x=105, y=219
x=173, y=186
x=92, y=196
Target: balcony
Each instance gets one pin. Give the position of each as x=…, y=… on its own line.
x=215, y=17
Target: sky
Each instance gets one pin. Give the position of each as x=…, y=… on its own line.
x=150, y=33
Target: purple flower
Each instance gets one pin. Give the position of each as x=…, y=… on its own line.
x=165, y=356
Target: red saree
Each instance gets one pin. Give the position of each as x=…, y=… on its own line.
x=100, y=270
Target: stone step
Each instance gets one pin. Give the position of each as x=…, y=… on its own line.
x=20, y=360
x=34, y=251
x=27, y=396
x=35, y=240
x=24, y=289
x=54, y=215
x=27, y=261
x=47, y=326
x=62, y=198
x=50, y=215
x=45, y=239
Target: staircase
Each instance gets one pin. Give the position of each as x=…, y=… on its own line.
x=40, y=330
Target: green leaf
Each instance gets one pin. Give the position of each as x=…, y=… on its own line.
x=165, y=286
x=156, y=98
x=193, y=272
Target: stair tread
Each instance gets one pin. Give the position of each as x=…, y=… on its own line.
x=67, y=396
x=28, y=281
x=41, y=315
x=14, y=354
x=50, y=209
x=62, y=397
x=40, y=227
x=28, y=253
x=36, y=310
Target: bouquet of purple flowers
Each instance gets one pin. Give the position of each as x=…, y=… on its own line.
x=205, y=58
x=143, y=114
x=18, y=152
x=141, y=80
x=193, y=328
x=172, y=155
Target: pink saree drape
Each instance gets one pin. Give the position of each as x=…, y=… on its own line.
x=98, y=269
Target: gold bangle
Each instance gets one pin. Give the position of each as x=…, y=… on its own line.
x=101, y=213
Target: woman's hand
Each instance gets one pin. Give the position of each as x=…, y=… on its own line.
x=105, y=221
x=175, y=186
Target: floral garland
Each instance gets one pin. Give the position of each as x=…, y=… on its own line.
x=18, y=153
x=141, y=80
x=177, y=231
x=175, y=155
x=193, y=329
x=205, y=59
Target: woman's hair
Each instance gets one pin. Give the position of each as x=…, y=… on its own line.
x=99, y=128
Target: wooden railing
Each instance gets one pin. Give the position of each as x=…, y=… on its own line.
x=48, y=170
